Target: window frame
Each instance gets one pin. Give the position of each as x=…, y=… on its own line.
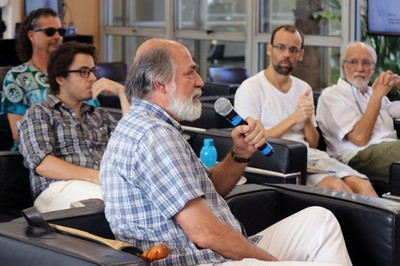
x=251, y=37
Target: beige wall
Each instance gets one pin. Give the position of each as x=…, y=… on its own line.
x=85, y=15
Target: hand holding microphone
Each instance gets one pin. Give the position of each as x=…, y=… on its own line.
x=224, y=108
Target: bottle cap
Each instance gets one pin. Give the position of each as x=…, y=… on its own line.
x=208, y=142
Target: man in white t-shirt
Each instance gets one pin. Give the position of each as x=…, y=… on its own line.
x=285, y=107
x=356, y=119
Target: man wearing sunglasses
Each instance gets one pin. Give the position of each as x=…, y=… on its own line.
x=63, y=138
x=284, y=105
x=25, y=85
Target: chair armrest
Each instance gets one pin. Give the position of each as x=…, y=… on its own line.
x=82, y=218
x=26, y=245
x=396, y=123
x=394, y=179
x=370, y=225
x=290, y=157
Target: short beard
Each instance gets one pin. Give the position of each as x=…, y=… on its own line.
x=185, y=109
x=283, y=70
x=362, y=85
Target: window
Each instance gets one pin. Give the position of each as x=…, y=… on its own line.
x=136, y=13
x=215, y=54
x=312, y=17
x=232, y=32
x=211, y=15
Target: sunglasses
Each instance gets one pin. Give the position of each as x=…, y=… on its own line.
x=51, y=31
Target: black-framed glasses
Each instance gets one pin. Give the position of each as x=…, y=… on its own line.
x=85, y=71
x=354, y=63
x=282, y=48
x=51, y=31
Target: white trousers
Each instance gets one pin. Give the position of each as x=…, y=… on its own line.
x=309, y=237
x=59, y=195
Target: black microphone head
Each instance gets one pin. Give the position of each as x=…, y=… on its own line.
x=223, y=106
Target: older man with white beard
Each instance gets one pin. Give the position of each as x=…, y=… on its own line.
x=356, y=119
x=156, y=190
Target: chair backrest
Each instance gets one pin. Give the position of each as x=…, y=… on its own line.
x=3, y=72
x=208, y=119
x=115, y=71
x=6, y=140
x=232, y=75
x=219, y=89
x=15, y=193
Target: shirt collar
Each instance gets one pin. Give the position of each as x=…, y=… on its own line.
x=157, y=111
x=345, y=84
x=53, y=101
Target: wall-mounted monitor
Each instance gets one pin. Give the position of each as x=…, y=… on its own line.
x=56, y=5
x=383, y=17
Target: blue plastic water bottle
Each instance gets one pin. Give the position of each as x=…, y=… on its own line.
x=208, y=153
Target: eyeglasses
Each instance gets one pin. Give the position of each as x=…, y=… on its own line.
x=51, y=31
x=85, y=71
x=282, y=48
x=354, y=63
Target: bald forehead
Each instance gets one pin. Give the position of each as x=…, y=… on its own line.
x=156, y=43
x=357, y=48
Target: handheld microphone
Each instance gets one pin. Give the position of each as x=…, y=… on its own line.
x=224, y=108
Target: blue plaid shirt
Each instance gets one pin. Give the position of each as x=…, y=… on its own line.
x=51, y=128
x=148, y=173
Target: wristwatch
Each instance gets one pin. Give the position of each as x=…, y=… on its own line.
x=239, y=159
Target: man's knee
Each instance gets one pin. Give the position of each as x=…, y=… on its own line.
x=358, y=184
x=362, y=183
x=318, y=212
x=333, y=184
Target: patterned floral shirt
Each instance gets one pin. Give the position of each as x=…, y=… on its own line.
x=23, y=87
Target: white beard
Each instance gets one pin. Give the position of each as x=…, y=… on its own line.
x=185, y=109
x=360, y=84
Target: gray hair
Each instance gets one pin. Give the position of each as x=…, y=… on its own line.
x=351, y=44
x=153, y=65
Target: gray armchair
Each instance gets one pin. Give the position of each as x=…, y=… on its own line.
x=370, y=227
